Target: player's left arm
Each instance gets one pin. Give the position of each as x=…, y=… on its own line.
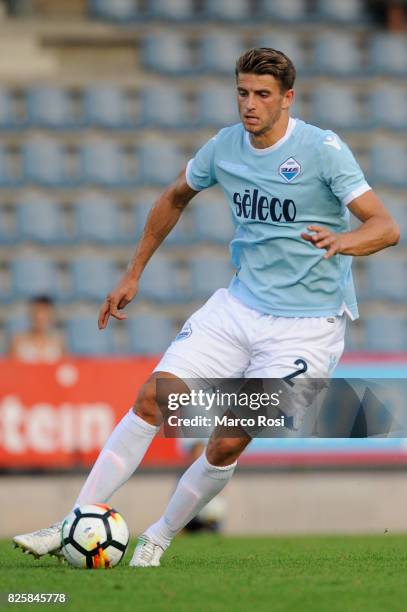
x=377, y=231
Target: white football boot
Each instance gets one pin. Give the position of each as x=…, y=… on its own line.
x=41, y=542
x=147, y=553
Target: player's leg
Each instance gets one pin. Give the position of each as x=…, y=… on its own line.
x=202, y=481
x=117, y=461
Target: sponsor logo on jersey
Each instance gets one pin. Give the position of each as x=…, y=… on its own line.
x=290, y=169
x=185, y=332
x=254, y=205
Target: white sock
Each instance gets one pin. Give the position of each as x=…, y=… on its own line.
x=200, y=483
x=120, y=456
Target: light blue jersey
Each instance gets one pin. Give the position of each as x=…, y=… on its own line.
x=307, y=178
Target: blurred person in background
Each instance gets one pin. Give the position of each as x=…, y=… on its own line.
x=41, y=343
x=390, y=13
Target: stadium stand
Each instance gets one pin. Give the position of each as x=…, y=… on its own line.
x=87, y=145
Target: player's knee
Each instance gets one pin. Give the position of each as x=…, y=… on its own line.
x=146, y=404
x=224, y=451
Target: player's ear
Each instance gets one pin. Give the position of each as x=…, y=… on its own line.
x=288, y=99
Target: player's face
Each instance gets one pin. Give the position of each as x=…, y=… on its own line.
x=42, y=316
x=261, y=101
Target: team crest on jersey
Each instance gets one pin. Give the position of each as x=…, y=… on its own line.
x=185, y=332
x=290, y=169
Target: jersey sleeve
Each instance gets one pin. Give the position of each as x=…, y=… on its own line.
x=200, y=172
x=340, y=169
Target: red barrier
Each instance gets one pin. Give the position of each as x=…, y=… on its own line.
x=58, y=416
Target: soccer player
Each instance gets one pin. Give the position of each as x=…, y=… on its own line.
x=290, y=187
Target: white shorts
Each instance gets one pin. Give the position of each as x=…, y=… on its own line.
x=226, y=339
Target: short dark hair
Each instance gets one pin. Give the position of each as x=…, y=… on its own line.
x=46, y=300
x=265, y=60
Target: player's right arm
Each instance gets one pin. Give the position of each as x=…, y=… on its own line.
x=160, y=221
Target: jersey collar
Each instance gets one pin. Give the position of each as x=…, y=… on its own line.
x=290, y=128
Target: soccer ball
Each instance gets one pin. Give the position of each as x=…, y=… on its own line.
x=94, y=536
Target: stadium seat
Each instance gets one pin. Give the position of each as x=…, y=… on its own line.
x=8, y=116
x=32, y=276
x=397, y=206
x=114, y=10
x=217, y=106
x=92, y=278
x=84, y=337
x=6, y=175
x=177, y=10
x=49, y=107
x=44, y=162
x=164, y=106
x=287, y=41
x=106, y=106
x=8, y=233
x=341, y=11
x=219, y=52
x=229, y=10
x=149, y=334
x=168, y=53
x=388, y=163
x=386, y=277
x=388, y=105
x=39, y=219
x=103, y=164
x=16, y=324
x=386, y=333
x=97, y=219
x=179, y=235
x=209, y=273
x=159, y=281
x=388, y=54
x=337, y=54
x=160, y=162
x=336, y=106
x=283, y=10
x=212, y=220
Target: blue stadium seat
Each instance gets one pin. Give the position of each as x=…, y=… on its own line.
x=209, y=273
x=386, y=333
x=44, y=162
x=106, y=106
x=177, y=10
x=388, y=54
x=219, y=52
x=97, y=219
x=337, y=54
x=8, y=233
x=388, y=105
x=16, y=324
x=6, y=175
x=159, y=281
x=103, y=164
x=388, y=164
x=92, y=278
x=168, y=53
x=386, y=277
x=49, y=107
x=287, y=41
x=217, y=106
x=212, y=220
x=179, y=235
x=229, y=10
x=160, y=162
x=8, y=116
x=397, y=206
x=164, y=106
x=283, y=10
x=84, y=337
x=336, y=106
x=32, y=276
x=341, y=11
x=114, y=10
x=149, y=334
x=39, y=219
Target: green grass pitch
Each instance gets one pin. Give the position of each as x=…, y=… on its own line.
x=304, y=574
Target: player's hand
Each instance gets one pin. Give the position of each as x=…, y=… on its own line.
x=116, y=300
x=323, y=239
